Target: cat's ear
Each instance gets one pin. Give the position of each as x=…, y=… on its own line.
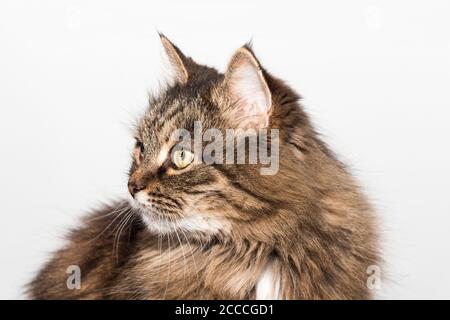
x=177, y=60
x=246, y=86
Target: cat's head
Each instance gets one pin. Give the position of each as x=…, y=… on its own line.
x=174, y=183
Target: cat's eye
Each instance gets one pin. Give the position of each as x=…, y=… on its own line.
x=138, y=150
x=139, y=146
x=181, y=158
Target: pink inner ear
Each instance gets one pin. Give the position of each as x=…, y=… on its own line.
x=250, y=90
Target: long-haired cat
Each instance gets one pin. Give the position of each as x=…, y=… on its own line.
x=223, y=230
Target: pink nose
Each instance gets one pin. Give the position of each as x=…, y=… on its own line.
x=134, y=187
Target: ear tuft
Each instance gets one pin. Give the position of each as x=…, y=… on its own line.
x=177, y=60
x=246, y=85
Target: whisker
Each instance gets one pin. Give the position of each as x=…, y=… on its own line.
x=120, y=213
x=184, y=257
x=109, y=213
x=247, y=117
x=192, y=253
x=122, y=226
x=160, y=251
x=168, y=270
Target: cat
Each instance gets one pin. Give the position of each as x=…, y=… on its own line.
x=223, y=231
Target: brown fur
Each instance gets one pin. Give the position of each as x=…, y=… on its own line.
x=310, y=220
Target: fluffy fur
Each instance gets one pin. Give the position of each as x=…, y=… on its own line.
x=224, y=231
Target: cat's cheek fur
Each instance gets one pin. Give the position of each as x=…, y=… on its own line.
x=199, y=223
x=192, y=223
x=141, y=200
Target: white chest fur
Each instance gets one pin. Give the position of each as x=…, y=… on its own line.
x=268, y=286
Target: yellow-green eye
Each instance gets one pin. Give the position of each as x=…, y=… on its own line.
x=181, y=158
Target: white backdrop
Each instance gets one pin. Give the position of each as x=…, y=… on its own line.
x=375, y=76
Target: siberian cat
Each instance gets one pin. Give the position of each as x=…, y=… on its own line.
x=197, y=230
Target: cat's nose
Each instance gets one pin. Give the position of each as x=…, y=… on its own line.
x=134, y=187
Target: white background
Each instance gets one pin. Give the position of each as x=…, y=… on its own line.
x=375, y=76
